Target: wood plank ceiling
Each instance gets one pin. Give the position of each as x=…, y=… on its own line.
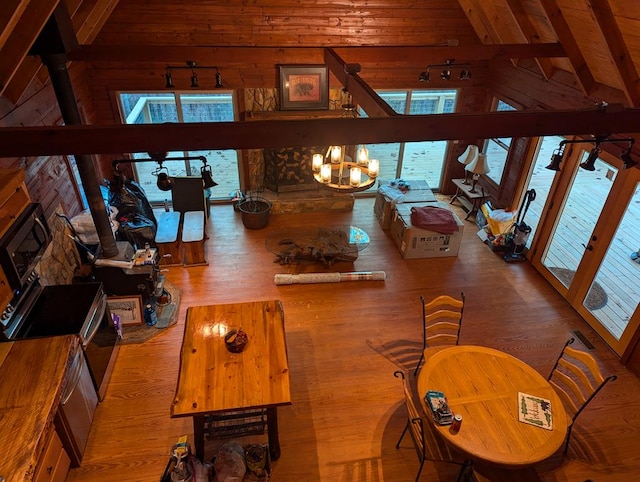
x=593, y=41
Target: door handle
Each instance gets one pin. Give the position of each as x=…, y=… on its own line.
x=588, y=247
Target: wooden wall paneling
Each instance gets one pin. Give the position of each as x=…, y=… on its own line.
x=532, y=91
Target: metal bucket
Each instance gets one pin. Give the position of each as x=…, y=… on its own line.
x=255, y=212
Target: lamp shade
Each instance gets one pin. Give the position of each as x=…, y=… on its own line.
x=479, y=165
x=469, y=155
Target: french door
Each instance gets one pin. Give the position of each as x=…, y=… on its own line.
x=587, y=242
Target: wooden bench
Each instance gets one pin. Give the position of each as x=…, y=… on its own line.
x=167, y=239
x=193, y=238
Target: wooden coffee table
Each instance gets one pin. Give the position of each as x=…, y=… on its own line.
x=482, y=385
x=214, y=381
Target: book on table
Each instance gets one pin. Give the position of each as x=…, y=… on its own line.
x=437, y=402
x=535, y=411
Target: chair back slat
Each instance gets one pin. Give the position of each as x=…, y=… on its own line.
x=577, y=379
x=441, y=322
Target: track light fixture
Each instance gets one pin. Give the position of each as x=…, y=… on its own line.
x=446, y=73
x=165, y=182
x=590, y=161
x=191, y=65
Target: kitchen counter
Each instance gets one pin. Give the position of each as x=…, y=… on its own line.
x=32, y=375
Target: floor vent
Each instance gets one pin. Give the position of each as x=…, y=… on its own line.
x=580, y=336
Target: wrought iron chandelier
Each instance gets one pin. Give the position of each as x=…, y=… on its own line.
x=337, y=170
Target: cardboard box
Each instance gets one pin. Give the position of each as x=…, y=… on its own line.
x=421, y=243
x=384, y=206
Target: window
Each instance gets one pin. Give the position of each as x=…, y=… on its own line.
x=152, y=108
x=497, y=149
x=414, y=160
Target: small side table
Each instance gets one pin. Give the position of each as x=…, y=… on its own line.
x=470, y=201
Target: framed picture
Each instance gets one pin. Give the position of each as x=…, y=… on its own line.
x=304, y=87
x=128, y=308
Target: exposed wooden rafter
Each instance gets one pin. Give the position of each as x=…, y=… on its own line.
x=25, y=31
x=529, y=34
x=578, y=62
x=34, y=141
x=252, y=55
x=365, y=96
x=618, y=48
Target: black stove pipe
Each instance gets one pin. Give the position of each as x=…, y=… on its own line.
x=57, y=66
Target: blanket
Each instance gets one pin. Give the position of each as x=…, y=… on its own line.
x=433, y=218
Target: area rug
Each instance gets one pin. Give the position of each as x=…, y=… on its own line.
x=167, y=317
x=597, y=296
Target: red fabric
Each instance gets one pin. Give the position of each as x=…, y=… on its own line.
x=433, y=218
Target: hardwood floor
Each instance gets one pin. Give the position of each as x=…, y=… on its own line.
x=345, y=340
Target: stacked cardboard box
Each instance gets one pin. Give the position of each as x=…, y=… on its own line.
x=421, y=243
x=419, y=191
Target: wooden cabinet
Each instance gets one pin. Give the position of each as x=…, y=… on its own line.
x=13, y=197
x=55, y=462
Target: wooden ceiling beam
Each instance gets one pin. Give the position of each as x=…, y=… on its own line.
x=119, y=139
x=561, y=27
x=22, y=37
x=529, y=34
x=91, y=17
x=257, y=55
x=618, y=48
x=10, y=13
x=363, y=95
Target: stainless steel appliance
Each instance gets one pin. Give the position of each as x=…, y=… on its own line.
x=38, y=311
x=23, y=245
x=79, y=401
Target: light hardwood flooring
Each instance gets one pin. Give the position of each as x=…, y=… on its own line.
x=344, y=341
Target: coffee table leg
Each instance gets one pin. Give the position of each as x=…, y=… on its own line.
x=272, y=432
x=198, y=436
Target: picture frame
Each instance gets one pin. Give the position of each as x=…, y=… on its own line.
x=128, y=308
x=304, y=87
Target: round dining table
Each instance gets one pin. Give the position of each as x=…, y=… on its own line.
x=483, y=385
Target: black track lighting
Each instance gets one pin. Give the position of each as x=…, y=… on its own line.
x=219, y=80
x=192, y=65
x=207, y=176
x=589, y=164
x=590, y=161
x=168, y=80
x=556, y=159
x=446, y=73
x=424, y=76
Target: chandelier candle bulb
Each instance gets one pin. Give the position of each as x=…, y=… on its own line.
x=325, y=173
x=336, y=154
x=317, y=162
x=363, y=156
x=374, y=167
x=355, y=176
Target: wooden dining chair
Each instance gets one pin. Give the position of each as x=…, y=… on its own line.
x=441, y=323
x=427, y=443
x=577, y=379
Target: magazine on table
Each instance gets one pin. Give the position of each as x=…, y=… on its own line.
x=439, y=406
x=535, y=411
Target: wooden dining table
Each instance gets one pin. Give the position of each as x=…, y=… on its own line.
x=215, y=381
x=482, y=385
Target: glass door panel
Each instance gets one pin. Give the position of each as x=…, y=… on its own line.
x=579, y=214
x=614, y=295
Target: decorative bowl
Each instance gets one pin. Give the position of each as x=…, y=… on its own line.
x=235, y=340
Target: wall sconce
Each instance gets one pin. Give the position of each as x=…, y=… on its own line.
x=446, y=73
x=589, y=163
x=191, y=65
